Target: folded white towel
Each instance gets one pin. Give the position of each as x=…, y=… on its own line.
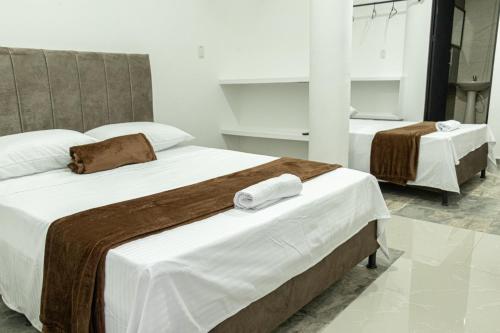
x=266, y=193
x=448, y=126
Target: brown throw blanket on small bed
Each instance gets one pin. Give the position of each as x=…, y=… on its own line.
x=76, y=246
x=394, y=153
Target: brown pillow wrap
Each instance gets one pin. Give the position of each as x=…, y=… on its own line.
x=110, y=154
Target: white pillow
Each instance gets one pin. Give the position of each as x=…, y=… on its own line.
x=35, y=152
x=352, y=111
x=161, y=136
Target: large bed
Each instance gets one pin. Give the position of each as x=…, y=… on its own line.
x=238, y=271
x=446, y=159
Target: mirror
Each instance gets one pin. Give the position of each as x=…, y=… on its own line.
x=458, y=27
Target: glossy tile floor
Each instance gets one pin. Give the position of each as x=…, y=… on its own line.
x=321, y=311
x=477, y=208
x=448, y=280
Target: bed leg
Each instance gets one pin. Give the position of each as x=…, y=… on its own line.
x=372, y=261
x=483, y=174
x=444, y=201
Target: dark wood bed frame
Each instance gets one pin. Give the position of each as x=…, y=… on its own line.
x=471, y=165
x=269, y=312
x=43, y=89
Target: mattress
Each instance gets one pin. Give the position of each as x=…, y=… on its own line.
x=193, y=277
x=440, y=152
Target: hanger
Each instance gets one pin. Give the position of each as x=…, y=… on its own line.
x=374, y=12
x=393, y=12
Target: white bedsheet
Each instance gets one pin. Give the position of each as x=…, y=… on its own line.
x=440, y=152
x=191, y=278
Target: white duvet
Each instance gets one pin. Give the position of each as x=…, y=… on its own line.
x=191, y=278
x=440, y=152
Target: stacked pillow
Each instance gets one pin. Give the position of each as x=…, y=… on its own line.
x=35, y=152
x=161, y=136
x=41, y=151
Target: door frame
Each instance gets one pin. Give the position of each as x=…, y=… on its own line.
x=438, y=69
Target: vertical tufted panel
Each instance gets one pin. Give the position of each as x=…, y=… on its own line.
x=93, y=89
x=65, y=90
x=140, y=81
x=118, y=85
x=43, y=89
x=10, y=122
x=30, y=71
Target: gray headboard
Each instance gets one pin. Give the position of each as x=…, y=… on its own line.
x=42, y=89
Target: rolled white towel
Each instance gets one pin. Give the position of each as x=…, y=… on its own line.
x=448, y=126
x=267, y=192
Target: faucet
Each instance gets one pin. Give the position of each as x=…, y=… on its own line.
x=474, y=78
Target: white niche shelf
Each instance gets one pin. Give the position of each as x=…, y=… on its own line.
x=286, y=98
x=267, y=133
x=300, y=79
x=264, y=80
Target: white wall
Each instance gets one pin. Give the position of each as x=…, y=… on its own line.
x=392, y=47
x=186, y=92
x=416, y=58
x=270, y=38
x=378, y=51
x=494, y=116
x=378, y=43
x=330, y=80
x=262, y=38
x=242, y=38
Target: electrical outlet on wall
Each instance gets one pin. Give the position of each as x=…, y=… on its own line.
x=383, y=54
x=201, y=52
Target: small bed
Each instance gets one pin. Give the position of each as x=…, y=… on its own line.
x=238, y=271
x=446, y=159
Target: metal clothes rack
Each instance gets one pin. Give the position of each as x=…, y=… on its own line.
x=379, y=3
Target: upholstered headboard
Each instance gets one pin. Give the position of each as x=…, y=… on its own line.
x=42, y=89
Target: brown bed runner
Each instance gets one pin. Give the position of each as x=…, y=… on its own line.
x=394, y=153
x=76, y=246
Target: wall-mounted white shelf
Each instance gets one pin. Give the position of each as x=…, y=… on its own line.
x=376, y=116
x=267, y=133
x=264, y=80
x=299, y=79
x=375, y=78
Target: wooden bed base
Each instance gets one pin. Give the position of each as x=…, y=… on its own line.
x=267, y=313
x=470, y=165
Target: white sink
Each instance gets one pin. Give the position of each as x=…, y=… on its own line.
x=472, y=88
x=473, y=85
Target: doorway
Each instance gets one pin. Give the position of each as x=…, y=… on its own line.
x=462, y=48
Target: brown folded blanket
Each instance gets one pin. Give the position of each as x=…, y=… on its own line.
x=76, y=246
x=112, y=153
x=394, y=153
